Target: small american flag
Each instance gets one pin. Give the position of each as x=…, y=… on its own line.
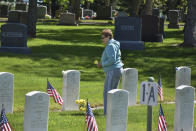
x=160, y=89
x=162, y=125
x=4, y=124
x=53, y=93
x=90, y=119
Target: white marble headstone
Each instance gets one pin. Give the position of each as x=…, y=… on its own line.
x=129, y=83
x=71, y=89
x=36, y=111
x=184, y=108
x=183, y=76
x=7, y=91
x=117, y=110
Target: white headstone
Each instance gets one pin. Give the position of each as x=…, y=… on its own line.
x=183, y=76
x=117, y=110
x=129, y=83
x=7, y=91
x=36, y=111
x=184, y=108
x=148, y=93
x=71, y=89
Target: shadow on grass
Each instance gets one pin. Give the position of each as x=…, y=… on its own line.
x=55, y=58
x=72, y=35
x=175, y=34
x=80, y=113
x=160, y=60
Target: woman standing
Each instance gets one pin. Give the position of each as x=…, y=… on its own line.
x=111, y=63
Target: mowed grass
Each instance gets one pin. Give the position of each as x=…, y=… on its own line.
x=59, y=48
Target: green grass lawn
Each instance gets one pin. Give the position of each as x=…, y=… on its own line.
x=59, y=48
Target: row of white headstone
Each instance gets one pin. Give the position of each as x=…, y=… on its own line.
x=37, y=103
x=119, y=100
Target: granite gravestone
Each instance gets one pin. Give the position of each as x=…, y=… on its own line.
x=129, y=83
x=21, y=6
x=14, y=38
x=128, y=33
x=24, y=17
x=173, y=19
x=117, y=110
x=184, y=108
x=67, y=19
x=161, y=27
x=71, y=89
x=156, y=12
x=7, y=91
x=122, y=14
x=183, y=76
x=36, y=111
x=104, y=12
x=4, y=10
x=14, y=16
x=151, y=29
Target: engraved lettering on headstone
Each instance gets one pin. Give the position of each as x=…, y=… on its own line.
x=126, y=27
x=12, y=34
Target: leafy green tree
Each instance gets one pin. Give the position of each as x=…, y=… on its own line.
x=130, y=6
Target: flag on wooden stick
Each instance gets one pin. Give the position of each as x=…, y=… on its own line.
x=53, y=93
x=4, y=124
x=160, y=89
x=90, y=119
x=162, y=125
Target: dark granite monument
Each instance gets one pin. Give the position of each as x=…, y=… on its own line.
x=128, y=33
x=14, y=38
x=18, y=16
x=151, y=30
x=104, y=12
x=156, y=12
x=173, y=19
x=4, y=10
x=21, y=6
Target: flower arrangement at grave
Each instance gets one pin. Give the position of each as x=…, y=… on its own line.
x=93, y=17
x=87, y=17
x=81, y=104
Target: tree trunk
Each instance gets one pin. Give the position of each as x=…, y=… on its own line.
x=134, y=7
x=32, y=18
x=76, y=9
x=190, y=28
x=148, y=7
x=53, y=8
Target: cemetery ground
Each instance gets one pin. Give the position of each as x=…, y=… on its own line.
x=59, y=48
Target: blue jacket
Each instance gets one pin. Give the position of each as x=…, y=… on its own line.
x=111, y=56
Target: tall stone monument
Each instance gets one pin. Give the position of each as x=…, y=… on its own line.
x=128, y=31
